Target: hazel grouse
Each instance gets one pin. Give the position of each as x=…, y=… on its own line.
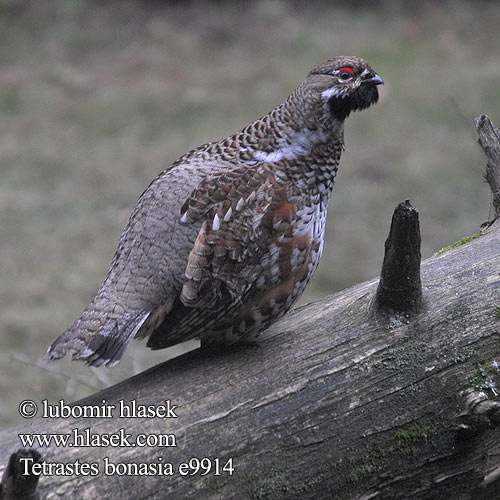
x=223, y=242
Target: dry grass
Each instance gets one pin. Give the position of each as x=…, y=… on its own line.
x=97, y=98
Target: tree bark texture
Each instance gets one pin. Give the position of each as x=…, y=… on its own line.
x=489, y=139
x=336, y=402
x=18, y=482
x=400, y=287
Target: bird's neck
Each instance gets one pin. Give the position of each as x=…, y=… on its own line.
x=298, y=143
x=297, y=134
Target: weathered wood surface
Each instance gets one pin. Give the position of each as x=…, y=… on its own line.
x=400, y=286
x=18, y=482
x=332, y=404
x=489, y=139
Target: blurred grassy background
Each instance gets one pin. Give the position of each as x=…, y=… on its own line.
x=96, y=98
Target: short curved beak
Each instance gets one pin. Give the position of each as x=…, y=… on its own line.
x=375, y=80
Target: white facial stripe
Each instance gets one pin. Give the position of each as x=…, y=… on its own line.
x=331, y=92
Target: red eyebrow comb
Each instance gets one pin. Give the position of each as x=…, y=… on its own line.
x=348, y=69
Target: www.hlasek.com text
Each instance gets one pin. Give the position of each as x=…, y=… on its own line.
x=85, y=438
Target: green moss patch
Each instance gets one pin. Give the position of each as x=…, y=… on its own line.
x=458, y=243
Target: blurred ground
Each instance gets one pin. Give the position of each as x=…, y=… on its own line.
x=96, y=98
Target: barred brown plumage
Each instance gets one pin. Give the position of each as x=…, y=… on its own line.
x=223, y=242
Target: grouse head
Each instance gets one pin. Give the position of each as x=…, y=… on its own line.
x=345, y=84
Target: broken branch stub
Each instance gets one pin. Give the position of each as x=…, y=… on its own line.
x=400, y=287
x=18, y=480
x=489, y=139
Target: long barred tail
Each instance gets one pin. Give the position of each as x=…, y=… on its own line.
x=97, y=338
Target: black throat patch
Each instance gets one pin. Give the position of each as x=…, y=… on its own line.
x=363, y=97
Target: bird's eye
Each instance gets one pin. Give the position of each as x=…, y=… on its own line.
x=345, y=74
